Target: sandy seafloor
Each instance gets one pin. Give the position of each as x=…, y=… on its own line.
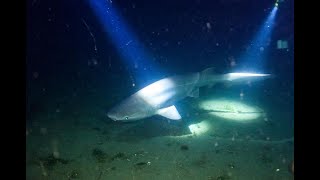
x=69, y=138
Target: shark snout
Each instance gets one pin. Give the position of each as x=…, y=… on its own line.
x=111, y=115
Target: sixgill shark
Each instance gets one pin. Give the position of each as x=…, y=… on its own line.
x=159, y=97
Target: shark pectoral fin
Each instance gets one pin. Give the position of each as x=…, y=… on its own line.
x=170, y=112
x=194, y=93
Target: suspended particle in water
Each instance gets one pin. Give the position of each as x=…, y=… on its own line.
x=35, y=75
x=208, y=25
x=232, y=61
x=249, y=83
x=43, y=131
x=261, y=49
x=95, y=62
x=55, y=151
x=241, y=95
x=216, y=144
x=43, y=170
x=128, y=42
x=56, y=154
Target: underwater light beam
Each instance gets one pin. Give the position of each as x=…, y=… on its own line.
x=255, y=54
x=127, y=45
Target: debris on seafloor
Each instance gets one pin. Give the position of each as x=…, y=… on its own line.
x=50, y=161
x=99, y=155
x=184, y=147
x=141, y=165
x=74, y=174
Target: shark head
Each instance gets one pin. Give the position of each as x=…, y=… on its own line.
x=130, y=109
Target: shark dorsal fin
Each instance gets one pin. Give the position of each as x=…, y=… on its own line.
x=210, y=70
x=194, y=93
x=170, y=112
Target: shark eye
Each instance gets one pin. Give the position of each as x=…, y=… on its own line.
x=126, y=117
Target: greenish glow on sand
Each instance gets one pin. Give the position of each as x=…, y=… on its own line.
x=231, y=110
x=199, y=128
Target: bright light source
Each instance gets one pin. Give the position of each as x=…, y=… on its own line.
x=132, y=51
x=231, y=110
x=253, y=57
x=200, y=128
x=247, y=76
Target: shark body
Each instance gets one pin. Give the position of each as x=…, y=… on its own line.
x=159, y=97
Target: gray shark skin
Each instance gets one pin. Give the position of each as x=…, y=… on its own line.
x=159, y=97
